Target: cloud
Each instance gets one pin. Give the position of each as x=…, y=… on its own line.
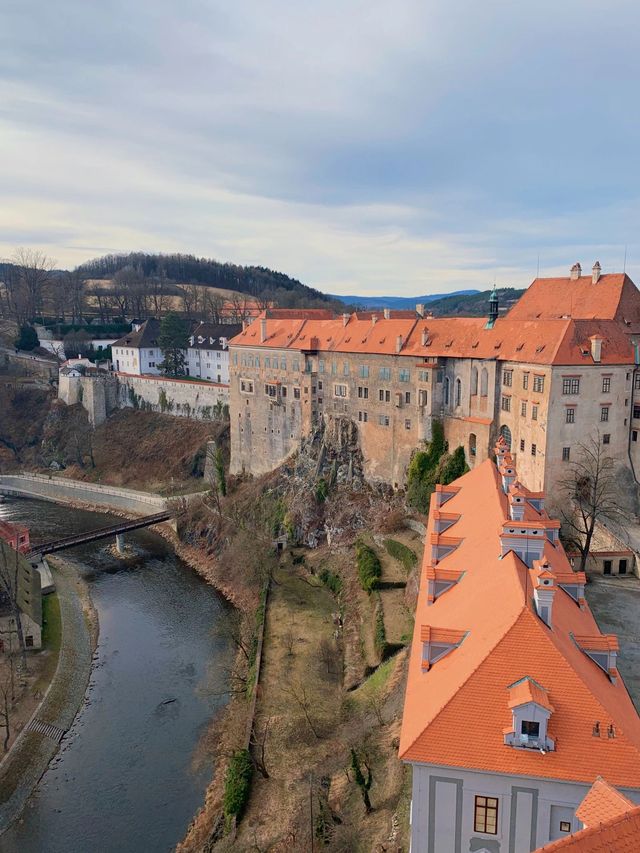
x=358, y=146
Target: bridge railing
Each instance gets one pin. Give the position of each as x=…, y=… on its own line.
x=51, y=484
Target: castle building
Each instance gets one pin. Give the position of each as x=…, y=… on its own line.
x=559, y=366
x=514, y=704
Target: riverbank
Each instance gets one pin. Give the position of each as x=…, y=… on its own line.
x=33, y=750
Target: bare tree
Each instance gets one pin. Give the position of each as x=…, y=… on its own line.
x=6, y=699
x=298, y=693
x=289, y=641
x=259, y=736
x=9, y=591
x=591, y=494
x=327, y=653
x=35, y=271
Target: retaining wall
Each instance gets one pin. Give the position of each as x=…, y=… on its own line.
x=60, y=490
x=180, y=397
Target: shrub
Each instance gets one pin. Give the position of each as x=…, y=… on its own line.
x=28, y=339
x=369, y=567
x=321, y=491
x=401, y=553
x=237, y=784
x=454, y=467
x=380, y=634
x=422, y=473
x=331, y=580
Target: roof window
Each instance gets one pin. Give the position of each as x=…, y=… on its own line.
x=602, y=649
x=438, y=642
x=531, y=709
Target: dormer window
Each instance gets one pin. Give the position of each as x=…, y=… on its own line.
x=438, y=642
x=531, y=710
x=603, y=650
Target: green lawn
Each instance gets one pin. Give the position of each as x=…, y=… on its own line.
x=51, y=637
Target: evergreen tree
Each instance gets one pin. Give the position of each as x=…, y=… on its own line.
x=28, y=339
x=172, y=342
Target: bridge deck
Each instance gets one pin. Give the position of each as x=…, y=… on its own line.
x=100, y=533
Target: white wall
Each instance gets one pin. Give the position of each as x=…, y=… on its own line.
x=529, y=809
x=136, y=361
x=209, y=364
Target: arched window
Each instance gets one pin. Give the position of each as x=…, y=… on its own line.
x=446, y=390
x=472, y=444
x=505, y=432
x=484, y=382
x=458, y=392
x=474, y=381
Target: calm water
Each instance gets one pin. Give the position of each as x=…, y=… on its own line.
x=125, y=779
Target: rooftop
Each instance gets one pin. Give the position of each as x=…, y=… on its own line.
x=509, y=655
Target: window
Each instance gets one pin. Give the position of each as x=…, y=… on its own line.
x=422, y=398
x=484, y=382
x=636, y=381
x=283, y=363
x=295, y=364
x=530, y=729
x=565, y=826
x=407, y=397
x=246, y=385
x=423, y=375
x=364, y=371
x=363, y=417
x=538, y=384
x=446, y=390
x=472, y=444
x=407, y=424
x=570, y=385
x=321, y=365
x=319, y=385
x=534, y=413
x=534, y=449
x=458, y=392
x=522, y=445
x=404, y=375
x=523, y=408
x=525, y=381
x=267, y=361
x=283, y=391
x=606, y=438
x=383, y=420
x=636, y=411
x=339, y=390
x=506, y=404
x=384, y=373
x=507, y=378
x=604, y=413
x=334, y=368
x=634, y=435
x=485, y=817
x=606, y=384
x=566, y=454
x=271, y=390
x=570, y=415
x=384, y=396
x=28, y=641
x=296, y=393
x=474, y=381
x=345, y=368
x=363, y=392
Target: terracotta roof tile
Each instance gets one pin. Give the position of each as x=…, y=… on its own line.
x=506, y=642
x=602, y=803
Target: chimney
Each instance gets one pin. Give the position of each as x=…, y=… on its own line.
x=398, y=343
x=244, y=325
x=374, y=319
x=425, y=337
x=263, y=330
x=596, y=272
x=345, y=319
x=387, y=314
x=420, y=309
x=596, y=347
x=576, y=271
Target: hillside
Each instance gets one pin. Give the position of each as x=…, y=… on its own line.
x=188, y=269
x=473, y=304
x=397, y=302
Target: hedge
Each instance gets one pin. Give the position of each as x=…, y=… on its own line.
x=237, y=784
x=401, y=553
x=369, y=567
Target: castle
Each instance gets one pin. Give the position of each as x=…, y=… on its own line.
x=561, y=365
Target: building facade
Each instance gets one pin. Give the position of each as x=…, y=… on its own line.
x=207, y=353
x=545, y=376
x=29, y=599
x=138, y=352
x=511, y=711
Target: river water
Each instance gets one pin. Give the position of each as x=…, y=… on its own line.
x=127, y=778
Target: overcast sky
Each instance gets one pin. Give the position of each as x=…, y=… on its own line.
x=398, y=147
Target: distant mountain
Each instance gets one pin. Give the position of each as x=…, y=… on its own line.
x=473, y=304
x=397, y=302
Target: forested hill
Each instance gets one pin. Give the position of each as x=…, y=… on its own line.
x=473, y=304
x=188, y=269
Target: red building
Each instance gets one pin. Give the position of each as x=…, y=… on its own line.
x=16, y=536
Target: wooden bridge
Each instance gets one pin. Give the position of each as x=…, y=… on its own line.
x=117, y=530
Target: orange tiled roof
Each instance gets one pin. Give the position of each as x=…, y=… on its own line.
x=612, y=297
x=545, y=341
x=612, y=824
x=506, y=642
x=528, y=690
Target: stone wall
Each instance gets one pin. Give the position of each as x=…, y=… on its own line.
x=178, y=397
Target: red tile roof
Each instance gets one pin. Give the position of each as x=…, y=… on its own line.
x=467, y=690
x=612, y=824
x=612, y=297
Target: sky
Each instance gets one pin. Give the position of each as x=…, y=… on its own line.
x=404, y=148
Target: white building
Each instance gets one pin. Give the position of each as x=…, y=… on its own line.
x=514, y=704
x=208, y=351
x=138, y=352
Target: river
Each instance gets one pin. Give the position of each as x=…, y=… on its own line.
x=127, y=777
